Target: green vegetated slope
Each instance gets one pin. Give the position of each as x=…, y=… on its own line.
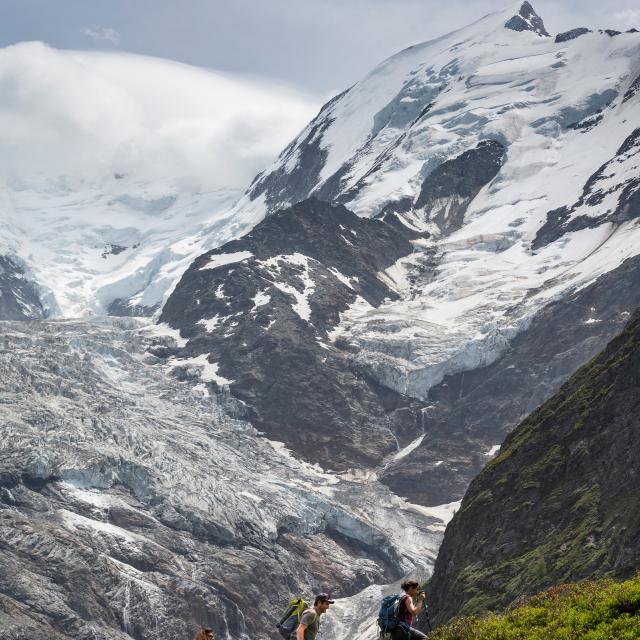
x=561, y=501
x=603, y=610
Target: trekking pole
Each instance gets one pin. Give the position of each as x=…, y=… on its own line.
x=426, y=613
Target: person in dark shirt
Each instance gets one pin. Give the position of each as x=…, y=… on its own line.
x=411, y=604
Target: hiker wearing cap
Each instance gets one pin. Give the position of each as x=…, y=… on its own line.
x=407, y=610
x=310, y=619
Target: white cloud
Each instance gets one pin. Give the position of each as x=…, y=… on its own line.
x=102, y=34
x=627, y=18
x=87, y=114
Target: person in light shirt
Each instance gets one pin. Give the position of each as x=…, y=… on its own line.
x=310, y=619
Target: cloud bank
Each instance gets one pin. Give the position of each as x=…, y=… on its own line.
x=87, y=115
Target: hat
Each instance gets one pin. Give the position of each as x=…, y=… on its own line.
x=324, y=597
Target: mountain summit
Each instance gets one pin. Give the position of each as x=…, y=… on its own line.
x=527, y=20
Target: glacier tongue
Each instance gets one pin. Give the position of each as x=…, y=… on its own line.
x=164, y=505
x=465, y=316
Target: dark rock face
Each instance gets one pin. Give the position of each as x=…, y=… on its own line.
x=632, y=90
x=560, y=503
x=19, y=297
x=572, y=34
x=527, y=20
x=449, y=189
x=283, y=187
x=560, y=221
x=264, y=320
x=475, y=410
x=124, y=308
x=113, y=250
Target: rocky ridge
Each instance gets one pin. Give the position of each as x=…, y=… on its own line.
x=20, y=297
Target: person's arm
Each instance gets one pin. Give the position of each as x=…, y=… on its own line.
x=308, y=617
x=414, y=610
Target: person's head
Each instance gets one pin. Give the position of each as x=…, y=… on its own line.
x=206, y=633
x=322, y=602
x=411, y=587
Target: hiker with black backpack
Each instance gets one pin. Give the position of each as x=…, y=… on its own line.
x=397, y=613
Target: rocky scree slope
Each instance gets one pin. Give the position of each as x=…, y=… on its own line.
x=133, y=504
x=560, y=502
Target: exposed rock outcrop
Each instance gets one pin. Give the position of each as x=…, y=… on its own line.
x=19, y=296
x=571, y=34
x=527, y=20
x=449, y=189
x=261, y=307
x=621, y=188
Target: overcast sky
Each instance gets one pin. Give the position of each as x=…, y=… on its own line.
x=319, y=46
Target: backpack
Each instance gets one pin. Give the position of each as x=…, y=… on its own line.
x=388, y=614
x=291, y=618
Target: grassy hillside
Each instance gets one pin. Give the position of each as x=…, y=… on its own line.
x=560, y=503
x=603, y=610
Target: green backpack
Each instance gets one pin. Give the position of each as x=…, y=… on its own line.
x=291, y=618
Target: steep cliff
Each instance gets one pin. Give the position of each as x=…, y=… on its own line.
x=560, y=502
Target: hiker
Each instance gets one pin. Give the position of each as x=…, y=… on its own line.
x=310, y=619
x=206, y=633
x=407, y=609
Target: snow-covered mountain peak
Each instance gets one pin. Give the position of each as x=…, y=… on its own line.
x=509, y=158
x=377, y=142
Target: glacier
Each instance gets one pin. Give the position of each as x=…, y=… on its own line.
x=119, y=474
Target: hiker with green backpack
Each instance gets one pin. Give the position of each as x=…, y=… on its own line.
x=397, y=612
x=300, y=622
